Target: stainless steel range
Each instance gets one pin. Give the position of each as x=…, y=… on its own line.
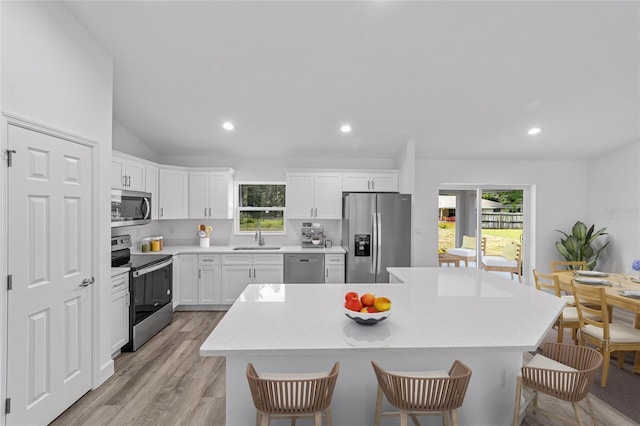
x=150, y=287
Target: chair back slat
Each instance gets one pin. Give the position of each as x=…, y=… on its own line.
x=425, y=393
x=292, y=396
x=547, y=282
x=592, y=307
x=571, y=265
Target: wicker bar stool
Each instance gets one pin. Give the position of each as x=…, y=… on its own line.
x=562, y=371
x=292, y=395
x=417, y=393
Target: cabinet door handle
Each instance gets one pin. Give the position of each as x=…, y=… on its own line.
x=311, y=214
x=161, y=211
x=209, y=211
x=205, y=212
x=326, y=273
x=249, y=272
x=124, y=181
x=315, y=214
x=373, y=185
x=199, y=273
x=368, y=185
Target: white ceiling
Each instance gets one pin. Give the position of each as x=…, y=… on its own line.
x=460, y=79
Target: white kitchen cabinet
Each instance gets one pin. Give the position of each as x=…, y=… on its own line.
x=127, y=173
x=334, y=268
x=370, y=182
x=187, y=284
x=198, y=280
x=211, y=194
x=209, y=283
x=314, y=195
x=151, y=186
x=173, y=193
x=119, y=311
x=240, y=270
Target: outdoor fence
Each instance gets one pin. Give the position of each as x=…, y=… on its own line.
x=502, y=220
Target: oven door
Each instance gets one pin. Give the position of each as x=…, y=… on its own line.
x=151, y=289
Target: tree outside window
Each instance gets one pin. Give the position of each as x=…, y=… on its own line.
x=261, y=205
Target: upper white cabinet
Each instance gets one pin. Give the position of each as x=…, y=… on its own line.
x=211, y=194
x=173, y=196
x=370, y=182
x=151, y=186
x=314, y=195
x=127, y=173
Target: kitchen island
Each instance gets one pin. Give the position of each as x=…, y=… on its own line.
x=438, y=315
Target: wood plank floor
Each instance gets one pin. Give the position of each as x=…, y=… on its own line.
x=166, y=382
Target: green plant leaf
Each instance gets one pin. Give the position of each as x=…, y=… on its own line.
x=579, y=231
x=563, y=251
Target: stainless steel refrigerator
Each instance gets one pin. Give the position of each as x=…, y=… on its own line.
x=376, y=233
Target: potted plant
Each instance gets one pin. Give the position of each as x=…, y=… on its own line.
x=578, y=245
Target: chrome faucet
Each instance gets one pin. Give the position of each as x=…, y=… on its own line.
x=258, y=237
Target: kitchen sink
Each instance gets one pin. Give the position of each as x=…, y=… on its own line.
x=257, y=248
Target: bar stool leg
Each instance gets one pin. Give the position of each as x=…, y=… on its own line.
x=378, y=406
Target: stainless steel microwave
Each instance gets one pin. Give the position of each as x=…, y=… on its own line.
x=130, y=208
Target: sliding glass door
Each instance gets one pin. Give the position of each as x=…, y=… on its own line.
x=484, y=220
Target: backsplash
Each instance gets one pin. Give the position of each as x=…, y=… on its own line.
x=183, y=232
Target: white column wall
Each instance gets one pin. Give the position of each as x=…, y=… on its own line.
x=55, y=74
x=614, y=203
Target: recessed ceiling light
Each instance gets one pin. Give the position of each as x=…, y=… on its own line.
x=345, y=128
x=534, y=130
x=227, y=125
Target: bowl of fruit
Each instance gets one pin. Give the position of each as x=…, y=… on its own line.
x=366, y=309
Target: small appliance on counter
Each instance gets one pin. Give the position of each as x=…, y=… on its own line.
x=312, y=235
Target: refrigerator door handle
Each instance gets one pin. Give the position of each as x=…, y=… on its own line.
x=378, y=241
x=374, y=243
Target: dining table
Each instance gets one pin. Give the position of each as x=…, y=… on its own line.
x=615, y=285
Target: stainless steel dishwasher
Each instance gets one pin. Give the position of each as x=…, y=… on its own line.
x=304, y=268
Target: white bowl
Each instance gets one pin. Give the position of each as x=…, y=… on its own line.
x=367, y=319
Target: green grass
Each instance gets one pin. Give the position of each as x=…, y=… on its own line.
x=496, y=238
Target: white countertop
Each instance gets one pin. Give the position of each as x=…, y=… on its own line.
x=230, y=249
x=434, y=310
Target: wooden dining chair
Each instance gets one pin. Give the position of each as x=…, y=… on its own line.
x=506, y=264
x=568, y=265
x=596, y=327
x=417, y=393
x=292, y=395
x=562, y=371
x=569, y=316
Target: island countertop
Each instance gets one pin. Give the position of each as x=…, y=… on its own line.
x=433, y=310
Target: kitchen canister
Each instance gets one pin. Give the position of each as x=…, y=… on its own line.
x=204, y=242
x=146, y=245
x=155, y=244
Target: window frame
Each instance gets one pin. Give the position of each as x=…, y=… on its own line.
x=238, y=209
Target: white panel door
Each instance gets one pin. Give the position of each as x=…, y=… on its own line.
x=173, y=195
x=50, y=240
x=209, y=285
x=198, y=195
x=328, y=195
x=234, y=280
x=135, y=175
x=151, y=186
x=187, y=279
x=300, y=202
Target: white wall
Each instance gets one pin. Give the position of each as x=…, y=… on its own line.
x=55, y=74
x=562, y=198
x=614, y=203
x=125, y=141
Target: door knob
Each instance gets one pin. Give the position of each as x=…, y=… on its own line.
x=87, y=281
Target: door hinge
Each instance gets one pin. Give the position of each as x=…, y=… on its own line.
x=10, y=153
x=9, y=282
x=7, y=406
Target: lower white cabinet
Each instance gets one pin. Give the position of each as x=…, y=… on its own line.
x=334, y=268
x=198, y=279
x=240, y=270
x=119, y=311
